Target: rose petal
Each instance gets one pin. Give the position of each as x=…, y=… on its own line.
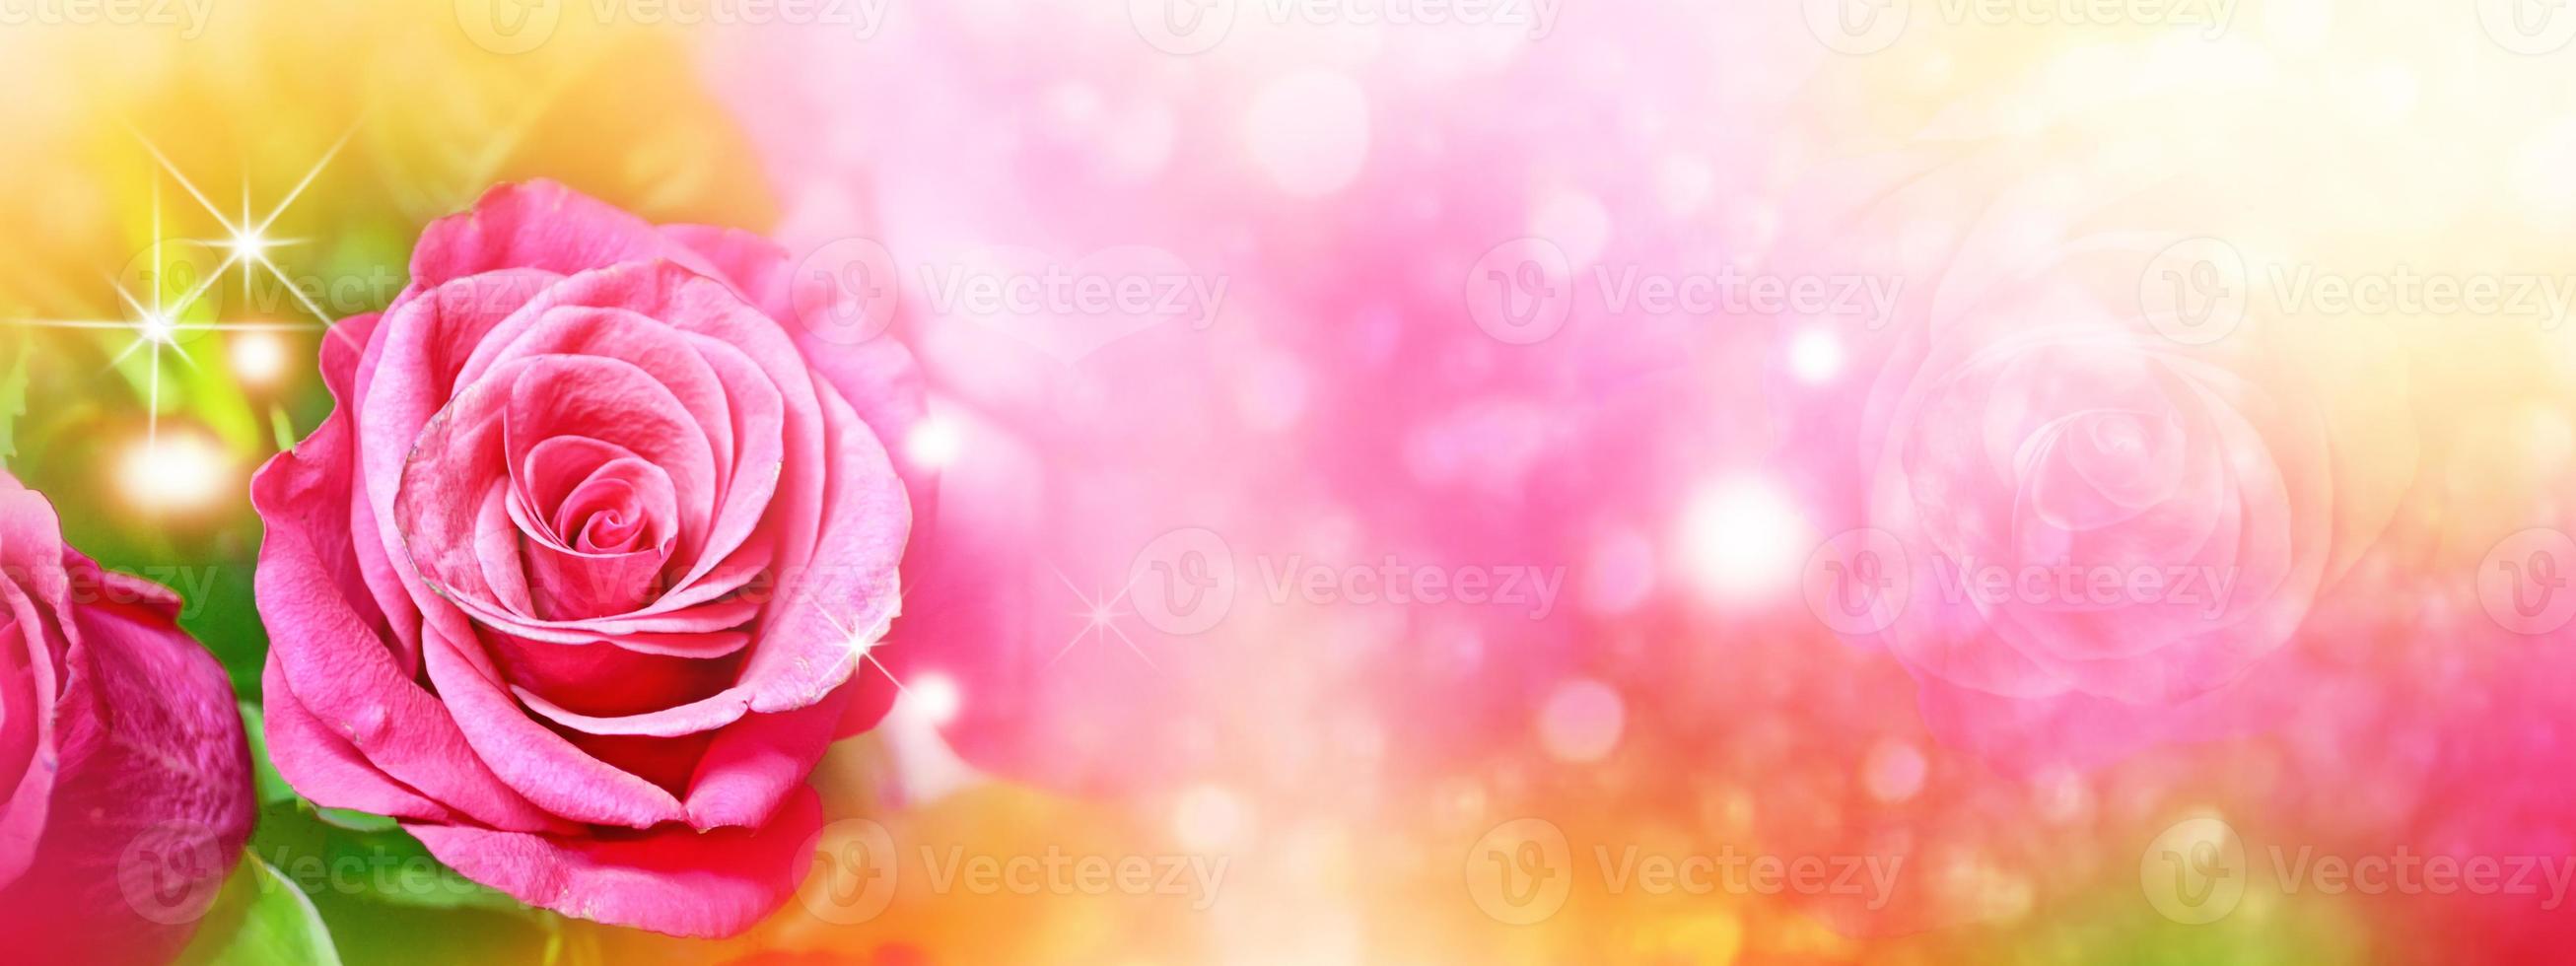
x=409, y=371
x=332, y=658
x=532, y=759
x=671, y=879
x=151, y=754
x=759, y=761
x=309, y=756
x=535, y=224
x=879, y=377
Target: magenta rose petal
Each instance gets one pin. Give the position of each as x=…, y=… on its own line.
x=461, y=461
x=28, y=675
x=374, y=703
x=624, y=547
x=539, y=224
x=671, y=879
x=308, y=755
x=768, y=390
x=131, y=744
x=695, y=717
x=433, y=331
x=757, y=763
x=879, y=376
x=846, y=594
x=536, y=762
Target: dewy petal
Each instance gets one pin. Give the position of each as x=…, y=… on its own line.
x=309, y=756
x=537, y=224
x=151, y=756
x=847, y=591
x=879, y=377
x=408, y=375
x=758, y=762
x=760, y=374
x=670, y=879
x=30, y=543
x=552, y=469
x=533, y=760
x=458, y=468
x=545, y=397
x=705, y=397
x=495, y=541
x=325, y=639
x=694, y=717
x=600, y=679
x=332, y=661
x=27, y=705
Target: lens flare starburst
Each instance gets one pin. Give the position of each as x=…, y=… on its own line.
x=160, y=323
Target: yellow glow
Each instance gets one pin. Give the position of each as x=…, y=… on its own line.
x=258, y=357
x=175, y=472
x=158, y=328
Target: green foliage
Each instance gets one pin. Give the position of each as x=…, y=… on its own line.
x=13, y=401
x=259, y=919
x=272, y=788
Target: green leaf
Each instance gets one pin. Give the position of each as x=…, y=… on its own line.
x=260, y=918
x=335, y=854
x=282, y=427
x=272, y=787
x=356, y=821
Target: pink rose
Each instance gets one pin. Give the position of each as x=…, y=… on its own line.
x=2102, y=526
x=577, y=580
x=121, y=756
